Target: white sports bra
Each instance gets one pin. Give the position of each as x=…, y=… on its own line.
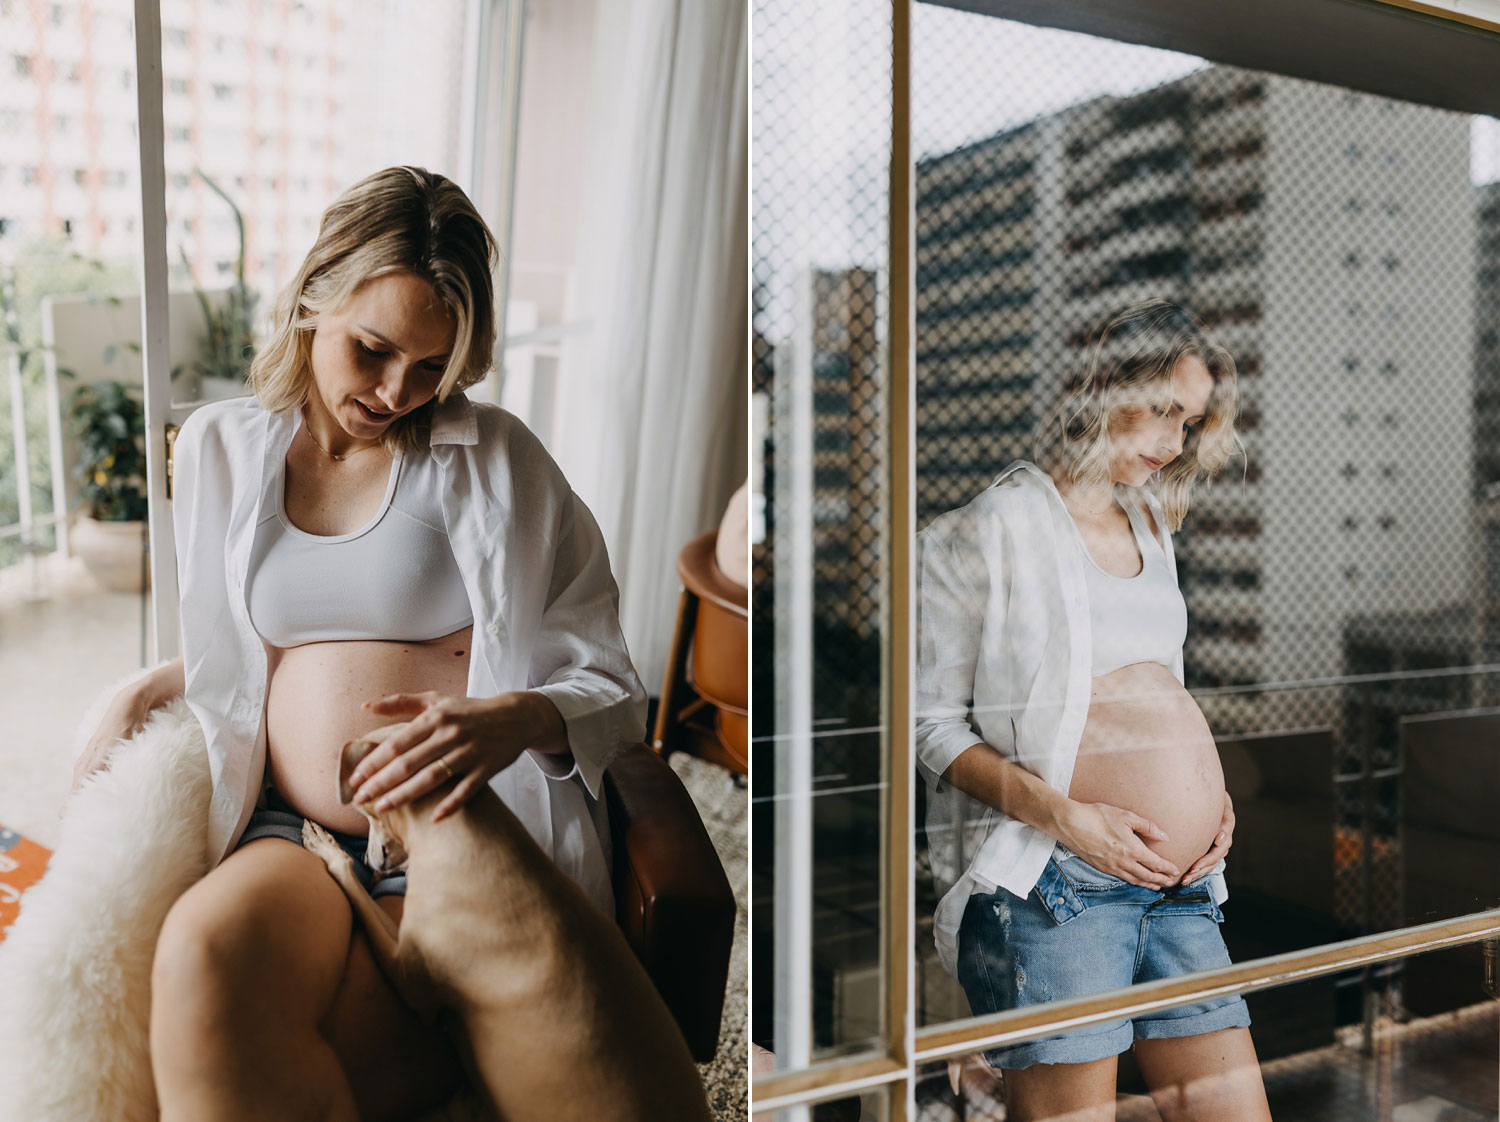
x=1135, y=619
x=394, y=578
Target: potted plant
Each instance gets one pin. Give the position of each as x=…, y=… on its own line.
x=109, y=425
x=228, y=342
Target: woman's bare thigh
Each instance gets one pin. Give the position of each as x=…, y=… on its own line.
x=396, y=1065
x=272, y=905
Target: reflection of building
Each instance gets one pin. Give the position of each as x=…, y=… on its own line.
x=1326, y=238
x=988, y=228
x=1487, y=340
x=846, y=362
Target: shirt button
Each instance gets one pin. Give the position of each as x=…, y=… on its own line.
x=493, y=628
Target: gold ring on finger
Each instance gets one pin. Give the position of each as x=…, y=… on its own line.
x=447, y=771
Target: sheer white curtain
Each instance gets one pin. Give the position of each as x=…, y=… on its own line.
x=652, y=408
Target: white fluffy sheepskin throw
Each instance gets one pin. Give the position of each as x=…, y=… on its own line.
x=75, y=967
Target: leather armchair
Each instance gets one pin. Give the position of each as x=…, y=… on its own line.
x=672, y=899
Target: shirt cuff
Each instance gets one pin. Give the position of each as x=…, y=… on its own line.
x=599, y=729
x=938, y=746
x=555, y=765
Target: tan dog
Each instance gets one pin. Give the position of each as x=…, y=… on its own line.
x=560, y=1019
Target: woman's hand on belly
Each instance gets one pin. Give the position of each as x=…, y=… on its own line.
x=1222, y=841
x=475, y=737
x=1110, y=839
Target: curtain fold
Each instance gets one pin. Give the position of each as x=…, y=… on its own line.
x=652, y=403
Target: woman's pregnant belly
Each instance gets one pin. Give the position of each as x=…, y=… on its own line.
x=1147, y=748
x=313, y=700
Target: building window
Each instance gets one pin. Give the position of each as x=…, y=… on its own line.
x=23, y=65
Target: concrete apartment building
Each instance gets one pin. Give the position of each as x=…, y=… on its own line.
x=280, y=103
x=1327, y=238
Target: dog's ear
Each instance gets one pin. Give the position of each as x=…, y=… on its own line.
x=356, y=750
x=349, y=757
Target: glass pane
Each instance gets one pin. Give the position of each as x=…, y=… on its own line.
x=72, y=608
x=270, y=113
x=552, y=155
x=821, y=141
x=1311, y=638
x=871, y=1106
x=1433, y=1053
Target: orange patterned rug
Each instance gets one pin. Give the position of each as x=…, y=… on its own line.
x=22, y=863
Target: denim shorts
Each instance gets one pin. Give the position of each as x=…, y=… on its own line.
x=277, y=819
x=1080, y=932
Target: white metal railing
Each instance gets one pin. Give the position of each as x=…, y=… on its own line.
x=28, y=523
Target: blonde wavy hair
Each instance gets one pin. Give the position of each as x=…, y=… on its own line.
x=400, y=219
x=1126, y=367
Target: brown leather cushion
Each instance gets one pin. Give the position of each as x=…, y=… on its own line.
x=672, y=899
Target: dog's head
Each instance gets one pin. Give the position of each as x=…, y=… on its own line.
x=385, y=851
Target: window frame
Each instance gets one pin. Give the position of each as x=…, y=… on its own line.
x=906, y=1046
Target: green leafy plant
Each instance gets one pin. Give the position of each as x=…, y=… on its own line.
x=228, y=343
x=109, y=424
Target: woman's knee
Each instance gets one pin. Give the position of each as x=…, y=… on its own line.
x=259, y=926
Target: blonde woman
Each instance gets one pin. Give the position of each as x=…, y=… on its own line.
x=358, y=545
x=1077, y=814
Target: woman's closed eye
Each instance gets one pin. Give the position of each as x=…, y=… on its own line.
x=370, y=352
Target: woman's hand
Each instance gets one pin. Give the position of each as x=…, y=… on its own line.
x=1109, y=838
x=125, y=717
x=1222, y=841
x=475, y=737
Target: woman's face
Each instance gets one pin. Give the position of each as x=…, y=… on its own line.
x=385, y=349
x=1146, y=439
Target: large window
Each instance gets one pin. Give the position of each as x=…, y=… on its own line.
x=1337, y=238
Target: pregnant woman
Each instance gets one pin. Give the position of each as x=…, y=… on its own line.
x=1077, y=815
x=359, y=544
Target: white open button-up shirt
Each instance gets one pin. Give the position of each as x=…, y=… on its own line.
x=545, y=605
x=1005, y=655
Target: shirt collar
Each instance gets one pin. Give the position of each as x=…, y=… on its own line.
x=453, y=421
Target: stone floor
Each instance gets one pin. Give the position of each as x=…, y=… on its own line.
x=1444, y=1068
x=63, y=639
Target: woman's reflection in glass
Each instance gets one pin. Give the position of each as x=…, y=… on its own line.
x=1077, y=813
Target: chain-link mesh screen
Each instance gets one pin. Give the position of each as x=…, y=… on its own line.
x=822, y=125
x=1345, y=249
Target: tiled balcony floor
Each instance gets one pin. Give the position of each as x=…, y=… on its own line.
x=56, y=655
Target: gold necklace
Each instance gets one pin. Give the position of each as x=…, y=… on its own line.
x=334, y=455
x=1095, y=513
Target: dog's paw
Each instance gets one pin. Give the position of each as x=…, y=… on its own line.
x=319, y=841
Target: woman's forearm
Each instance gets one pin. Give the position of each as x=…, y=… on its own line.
x=552, y=736
x=164, y=684
x=986, y=775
